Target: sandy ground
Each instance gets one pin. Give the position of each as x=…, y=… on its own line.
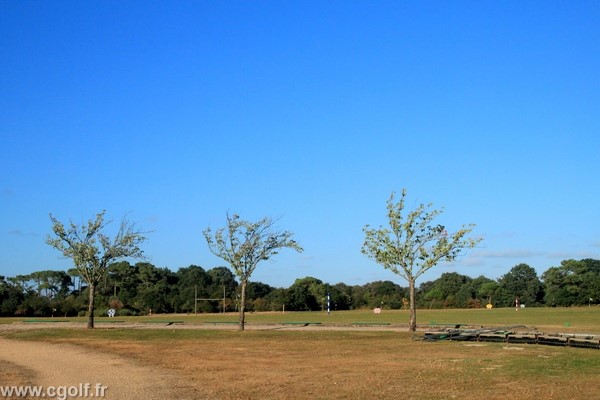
x=47, y=364
x=66, y=365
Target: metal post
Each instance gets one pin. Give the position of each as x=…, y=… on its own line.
x=328, y=304
x=195, y=299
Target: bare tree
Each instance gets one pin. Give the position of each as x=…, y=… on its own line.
x=413, y=244
x=92, y=250
x=244, y=244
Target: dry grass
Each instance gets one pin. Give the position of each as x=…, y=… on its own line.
x=349, y=365
x=16, y=375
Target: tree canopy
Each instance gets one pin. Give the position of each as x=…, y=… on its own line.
x=92, y=250
x=413, y=243
x=244, y=244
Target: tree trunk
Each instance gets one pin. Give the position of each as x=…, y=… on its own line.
x=243, y=305
x=92, y=296
x=412, y=325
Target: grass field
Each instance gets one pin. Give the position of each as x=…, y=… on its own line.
x=327, y=364
x=581, y=320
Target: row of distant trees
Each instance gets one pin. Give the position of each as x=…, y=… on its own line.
x=143, y=288
x=409, y=245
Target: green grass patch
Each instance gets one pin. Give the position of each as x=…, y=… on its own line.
x=567, y=320
x=222, y=322
x=36, y=321
x=91, y=335
x=542, y=361
x=109, y=321
x=165, y=321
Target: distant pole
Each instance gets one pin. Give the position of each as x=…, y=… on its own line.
x=195, y=299
x=223, y=299
x=328, y=304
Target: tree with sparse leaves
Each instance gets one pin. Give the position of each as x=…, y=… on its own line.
x=92, y=250
x=243, y=244
x=413, y=244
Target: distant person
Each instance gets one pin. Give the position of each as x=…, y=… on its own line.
x=517, y=303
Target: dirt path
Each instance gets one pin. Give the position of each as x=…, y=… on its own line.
x=67, y=365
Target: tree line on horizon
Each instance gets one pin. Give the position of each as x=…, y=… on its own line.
x=142, y=289
x=409, y=245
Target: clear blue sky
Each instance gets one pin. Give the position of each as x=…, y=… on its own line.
x=311, y=111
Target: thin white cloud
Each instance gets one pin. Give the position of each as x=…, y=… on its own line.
x=152, y=219
x=472, y=261
x=509, y=253
x=18, y=232
x=302, y=266
x=572, y=255
x=500, y=235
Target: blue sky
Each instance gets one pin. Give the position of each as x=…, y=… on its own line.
x=174, y=113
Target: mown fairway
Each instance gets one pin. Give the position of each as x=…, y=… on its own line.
x=575, y=320
x=323, y=364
